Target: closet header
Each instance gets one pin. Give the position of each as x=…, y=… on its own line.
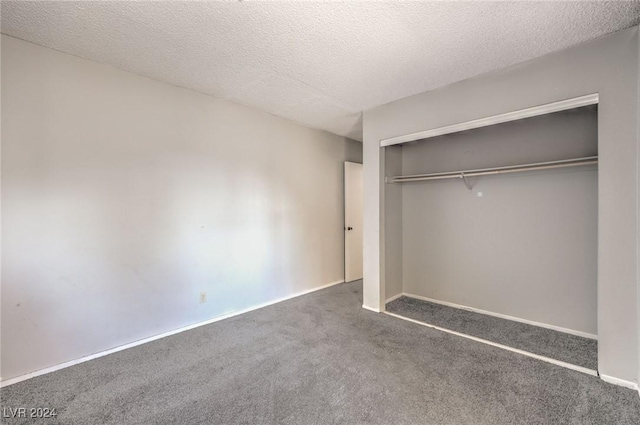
x=549, y=108
x=464, y=174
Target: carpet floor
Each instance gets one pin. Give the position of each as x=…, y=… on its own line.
x=534, y=339
x=321, y=359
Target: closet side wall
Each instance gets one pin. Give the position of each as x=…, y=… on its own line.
x=393, y=224
x=527, y=247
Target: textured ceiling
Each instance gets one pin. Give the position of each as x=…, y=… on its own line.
x=317, y=63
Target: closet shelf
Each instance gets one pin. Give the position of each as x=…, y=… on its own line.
x=464, y=174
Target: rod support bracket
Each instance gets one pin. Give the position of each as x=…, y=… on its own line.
x=466, y=182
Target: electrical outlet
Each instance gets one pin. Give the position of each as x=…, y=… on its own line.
x=479, y=194
x=203, y=297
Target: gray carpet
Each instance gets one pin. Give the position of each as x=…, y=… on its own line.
x=545, y=342
x=321, y=359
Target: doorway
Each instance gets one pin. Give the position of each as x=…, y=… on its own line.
x=353, y=206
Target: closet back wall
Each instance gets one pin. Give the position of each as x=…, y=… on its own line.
x=528, y=247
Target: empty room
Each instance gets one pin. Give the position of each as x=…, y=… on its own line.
x=320, y=212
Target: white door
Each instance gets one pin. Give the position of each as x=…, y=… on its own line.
x=353, y=200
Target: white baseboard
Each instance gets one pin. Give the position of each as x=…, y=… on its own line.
x=74, y=362
x=621, y=382
x=395, y=297
x=504, y=347
x=375, y=310
x=609, y=379
x=503, y=316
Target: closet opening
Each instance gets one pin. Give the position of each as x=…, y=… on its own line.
x=492, y=232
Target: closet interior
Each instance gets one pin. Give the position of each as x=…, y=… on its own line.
x=492, y=232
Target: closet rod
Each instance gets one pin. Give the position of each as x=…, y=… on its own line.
x=463, y=174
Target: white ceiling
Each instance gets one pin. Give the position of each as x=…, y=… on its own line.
x=317, y=63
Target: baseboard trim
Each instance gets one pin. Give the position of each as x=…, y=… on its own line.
x=621, y=382
x=504, y=347
x=395, y=297
x=375, y=310
x=74, y=362
x=504, y=316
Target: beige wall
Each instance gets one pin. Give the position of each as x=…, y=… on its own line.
x=123, y=198
x=608, y=66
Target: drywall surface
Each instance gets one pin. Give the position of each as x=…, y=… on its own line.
x=123, y=198
x=638, y=197
x=393, y=225
x=608, y=66
x=525, y=244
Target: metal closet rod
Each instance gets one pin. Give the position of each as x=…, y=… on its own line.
x=464, y=174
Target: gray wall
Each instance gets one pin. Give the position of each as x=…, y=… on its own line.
x=608, y=66
x=123, y=198
x=528, y=247
x=638, y=197
x=393, y=224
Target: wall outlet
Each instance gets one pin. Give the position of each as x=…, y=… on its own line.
x=479, y=194
x=203, y=297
